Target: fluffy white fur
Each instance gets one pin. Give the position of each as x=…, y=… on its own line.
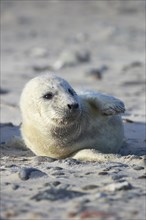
x=82, y=126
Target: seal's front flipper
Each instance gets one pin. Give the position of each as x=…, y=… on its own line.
x=106, y=105
x=113, y=106
x=94, y=155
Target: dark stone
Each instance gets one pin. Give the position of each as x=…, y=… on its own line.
x=138, y=167
x=39, y=68
x=15, y=186
x=47, y=184
x=40, y=159
x=123, y=185
x=71, y=161
x=128, y=120
x=58, y=173
x=103, y=173
x=89, y=173
x=56, y=183
x=89, y=187
x=57, y=168
x=132, y=65
x=143, y=176
x=7, y=183
x=7, y=124
x=56, y=194
x=83, y=56
x=10, y=166
x=3, y=91
x=49, y=168
x=107, y=169
x=118, y=164
x=131, y=195
x=97, y=73
x=27, y=173
x=64, y=186
x=118, y=176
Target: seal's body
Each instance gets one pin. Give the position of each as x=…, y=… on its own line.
x=58, y=123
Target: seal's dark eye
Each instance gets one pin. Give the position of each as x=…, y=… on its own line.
x=71, y=92
x=48, y=95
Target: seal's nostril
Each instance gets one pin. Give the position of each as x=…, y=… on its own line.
x=69, y=106
x=73, y=106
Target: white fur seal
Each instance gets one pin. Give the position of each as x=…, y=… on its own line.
x=57, y=122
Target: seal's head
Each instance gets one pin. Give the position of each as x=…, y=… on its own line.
x=49, y=99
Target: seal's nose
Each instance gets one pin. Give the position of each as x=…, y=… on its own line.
x=73, y=106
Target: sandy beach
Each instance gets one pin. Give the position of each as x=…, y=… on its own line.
x=96, y=45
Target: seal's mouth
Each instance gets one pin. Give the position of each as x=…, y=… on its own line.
x=67, y=117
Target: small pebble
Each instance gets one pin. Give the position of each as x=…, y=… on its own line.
x=56, y=194
x=2, y=169
x=132, y=65
x=131, y=195
x=71, y=161
x=38, y=52
x=132, y=157
x=116, y=170
x=58, y=173
x=107, y=169
x=9, y=124
x=100, y=195
x=39, y=68
x=118, y=186
x=90, y=187
x=94, y=214
x=57, y=168
x=64, y=186
x=83, y=55
x=118, y=165
x=10, y=214
x=27, y=173
x=71, y=58
x=88, y=173
x=128, y=120
x=143, y=176
x=53, y=184
x=117, y=176
x=138, y=167
x=7, y=183
x=15, y=186
x=40, y=159
x=3, y=91
x=47, y=184
x=103, y=173
x=56, y=183
x=10, y=165
x=97, y=73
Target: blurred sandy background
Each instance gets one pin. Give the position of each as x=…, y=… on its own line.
x=96, y=45
x=109, y=35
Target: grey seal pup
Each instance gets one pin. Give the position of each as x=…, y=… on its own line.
x=57, y=122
